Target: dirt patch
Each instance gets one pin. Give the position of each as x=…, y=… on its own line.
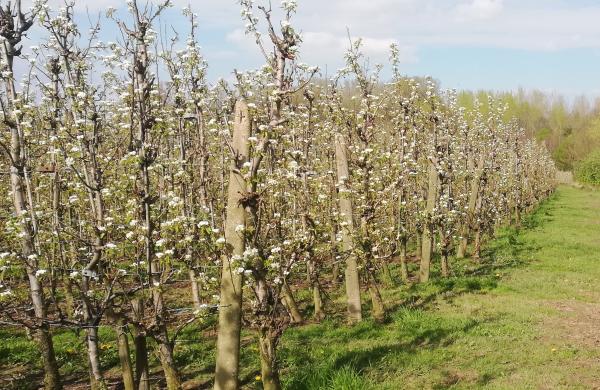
x=574, y=336
x=577, y=323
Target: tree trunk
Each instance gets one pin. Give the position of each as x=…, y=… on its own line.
x=462, y=245
x=316, y=289
x=167, y=362
x=51, y=376
x=69, y=300
x=376, y=300
x=419, y=244
x=444, y=265
x=477, y=245
x=427, y=241
x=44, y=338
x=471, y=208
x=387, y=274
x=96, y=377
x=142, y=376
x=22, y=196
x=403, y=265
x=346, y=212
x=230, y=311
x=124, y=358
x=196, y=299
x=426, y=254
x=318, y=301
x=290, y=304
x=268, y=363
x=161, y=334
x=335, y=271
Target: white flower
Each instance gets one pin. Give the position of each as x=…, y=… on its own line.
x=160, y=242
x=203, y=223
x=220, y=240
x=239, y=228
x=289, y=5
x=40, y=272
x=250, y=252
x=110, y=245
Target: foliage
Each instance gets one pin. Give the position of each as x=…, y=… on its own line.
x=588, y=170
x=567, y=128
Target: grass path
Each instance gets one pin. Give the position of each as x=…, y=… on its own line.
x=528, y=318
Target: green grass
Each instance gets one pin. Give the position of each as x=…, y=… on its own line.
x=524, y=318
x=497, y=325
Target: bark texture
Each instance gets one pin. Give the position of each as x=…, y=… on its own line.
x=427, y=240
x=345, y=202
x=230, y=311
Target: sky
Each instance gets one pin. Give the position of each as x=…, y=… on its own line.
x=551, y=45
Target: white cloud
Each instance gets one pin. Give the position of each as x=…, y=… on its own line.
x=523, y=24
x=81, y=6
x=479, y=10
x=324, y=48
x=238, y=37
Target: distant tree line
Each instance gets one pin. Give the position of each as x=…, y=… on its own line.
x=570, y=129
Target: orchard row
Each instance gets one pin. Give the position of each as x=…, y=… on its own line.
x=142, y=197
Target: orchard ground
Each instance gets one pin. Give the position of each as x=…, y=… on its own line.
x=526, y=316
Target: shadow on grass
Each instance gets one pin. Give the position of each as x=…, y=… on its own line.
x=426, y=339
x=413, y=333
x=315, y=355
